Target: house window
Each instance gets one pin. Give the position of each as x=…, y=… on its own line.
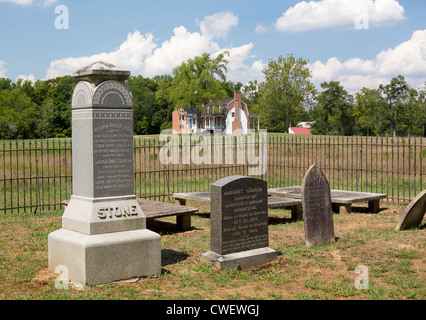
x=233, y=114
x=181, y=118
x=182, y=126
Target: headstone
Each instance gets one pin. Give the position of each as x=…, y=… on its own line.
x=317, y=211
x=414, y=213
x=103, y=236
x=239, y=223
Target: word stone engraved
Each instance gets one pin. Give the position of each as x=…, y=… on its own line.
x=317, y=209
x=103, y=237
x=239, y=223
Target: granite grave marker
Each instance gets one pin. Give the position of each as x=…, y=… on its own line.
x=103, y=236
x=239, y=223
x=317, y=211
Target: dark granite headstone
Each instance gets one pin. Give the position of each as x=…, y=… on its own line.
x=317, y=212
x=414, y=213
x=239, y=223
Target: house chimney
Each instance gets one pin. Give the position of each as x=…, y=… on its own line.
x=236, y=124
x=237, y=95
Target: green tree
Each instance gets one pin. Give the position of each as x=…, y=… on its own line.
x=198, y=80
x=421, y=110
x=335, y=103
x=366, y=110
x=395, y=95
x=17, y=118
x=286, y=93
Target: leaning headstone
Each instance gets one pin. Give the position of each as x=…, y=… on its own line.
x=103, y=237
x=414, y=213
x=239, y=223
x=317, y=211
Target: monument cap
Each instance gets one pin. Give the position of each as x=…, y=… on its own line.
x=101, y=71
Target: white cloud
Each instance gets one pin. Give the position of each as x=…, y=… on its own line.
x=3, y=69
x=260, y=28
x=142, y=55
x=182, y=46
x=340, y=14
x=407, y=59
x=29, y=77
x=238, y=69
x=46, y=3
x=130, y=55
x=218, y=25
x=21, y=2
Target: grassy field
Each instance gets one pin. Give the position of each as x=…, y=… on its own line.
x=35, y=175
x=396, y=262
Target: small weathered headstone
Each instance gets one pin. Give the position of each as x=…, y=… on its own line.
x=414, y=213
x=317, y=211
x=103, y=236
x=239, y=223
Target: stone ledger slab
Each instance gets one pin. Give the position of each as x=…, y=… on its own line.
x=239, y=223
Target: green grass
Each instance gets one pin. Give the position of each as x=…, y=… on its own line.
x=395, y=260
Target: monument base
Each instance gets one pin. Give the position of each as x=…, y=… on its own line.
x=242, y=260
x=105, y=258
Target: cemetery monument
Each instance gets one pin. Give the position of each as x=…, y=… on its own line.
x=103, y=237
x=317, y=211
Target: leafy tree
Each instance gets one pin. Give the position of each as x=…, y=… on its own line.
x=17, y=118
x=395, y=95
x=286, y=93
x=335, y=103
x=5, y=84
x=366, y=110
x=198, y=80
x=421, y=110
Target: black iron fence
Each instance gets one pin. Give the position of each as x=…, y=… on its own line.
x=36, y=175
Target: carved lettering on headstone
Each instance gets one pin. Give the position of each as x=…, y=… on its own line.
x=239, y=221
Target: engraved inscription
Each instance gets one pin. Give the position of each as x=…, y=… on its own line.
x=113, y=157
x=315, y=202
x=117, y=212
x=244, y=220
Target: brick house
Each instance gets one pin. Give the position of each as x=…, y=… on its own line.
x=231, y=117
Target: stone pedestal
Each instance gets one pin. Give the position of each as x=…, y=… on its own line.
x=103, y=237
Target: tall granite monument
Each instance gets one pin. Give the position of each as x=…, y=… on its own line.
x=103, y=237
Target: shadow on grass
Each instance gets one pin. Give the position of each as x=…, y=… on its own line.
x=165, y=227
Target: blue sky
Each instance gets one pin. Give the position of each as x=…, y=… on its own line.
x=359, y=43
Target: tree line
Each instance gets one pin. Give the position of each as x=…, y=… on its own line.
x=286, y=97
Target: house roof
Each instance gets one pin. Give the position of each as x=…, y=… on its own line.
x=297, y=130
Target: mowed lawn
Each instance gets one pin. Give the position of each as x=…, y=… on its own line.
x=395, y=261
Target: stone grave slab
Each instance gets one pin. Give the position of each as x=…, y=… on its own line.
x=239, y=234
x=317, y=211
x=414, y=213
